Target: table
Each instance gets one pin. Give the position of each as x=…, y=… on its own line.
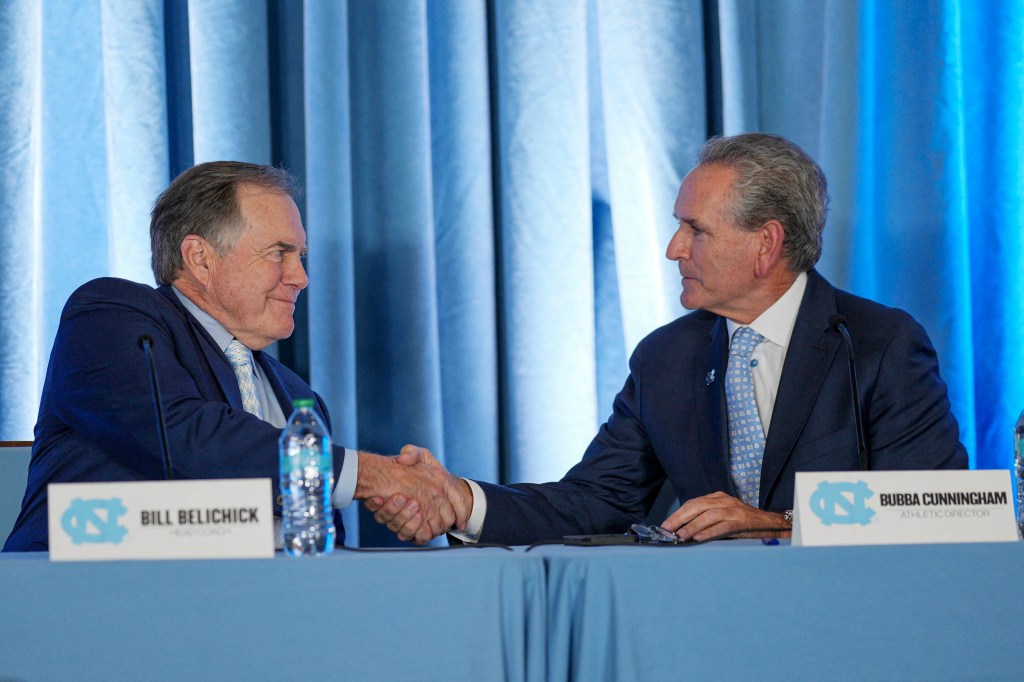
x=470, y=614
x=13, y=474
x=727, y=610
x=743, y=610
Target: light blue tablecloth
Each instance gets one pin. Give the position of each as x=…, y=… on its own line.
x=729, y=610
x=468, y=614
x=740, y=610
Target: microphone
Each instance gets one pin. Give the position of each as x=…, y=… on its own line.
x=146, y=344
x=838, y=323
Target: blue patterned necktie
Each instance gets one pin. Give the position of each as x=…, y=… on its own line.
x=746, y=435
x=241, y=361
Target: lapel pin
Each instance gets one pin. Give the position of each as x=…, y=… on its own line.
x=709, y=378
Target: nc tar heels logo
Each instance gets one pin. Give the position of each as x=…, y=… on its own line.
x=842, y=503
x=94, y=520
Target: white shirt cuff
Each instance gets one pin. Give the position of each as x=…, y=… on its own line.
x=475, y=525
x=345, y=487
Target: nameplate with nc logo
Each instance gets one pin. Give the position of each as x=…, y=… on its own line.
x=903, y=507
x=209, y=519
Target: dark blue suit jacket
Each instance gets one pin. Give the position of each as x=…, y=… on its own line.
x=96, y=417
x=669, y=421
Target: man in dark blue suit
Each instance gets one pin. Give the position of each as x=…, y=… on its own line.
x=227, y=244
x=729, y=402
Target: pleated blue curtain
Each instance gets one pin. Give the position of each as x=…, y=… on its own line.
x=21, y=344
x=992, y=96
x=228, y=47
x=914, y=111
x=546, y=235
x=489, y=186
x=82, y=154
x=328, y=215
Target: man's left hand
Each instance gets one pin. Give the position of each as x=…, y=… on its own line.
x=703, y=518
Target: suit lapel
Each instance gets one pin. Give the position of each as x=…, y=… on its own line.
x=222, y=370
x=812, y=349
x=219, y=369
x=709, y=391
x=284, y=398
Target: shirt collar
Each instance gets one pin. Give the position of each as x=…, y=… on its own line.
x=220, y=335
x=776, y=323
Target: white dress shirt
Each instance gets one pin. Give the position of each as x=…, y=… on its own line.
x=776, y=326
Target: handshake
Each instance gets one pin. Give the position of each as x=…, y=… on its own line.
x=411, y=493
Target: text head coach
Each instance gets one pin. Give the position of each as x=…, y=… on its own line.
x=227, y=248
x=729, y=402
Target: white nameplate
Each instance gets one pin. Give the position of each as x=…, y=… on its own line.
x=210, y=519
x=902, y=507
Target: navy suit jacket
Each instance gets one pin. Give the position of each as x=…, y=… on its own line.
x=669, y=420
x=97, y=421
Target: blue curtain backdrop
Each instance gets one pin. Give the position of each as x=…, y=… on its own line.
x=489, y=186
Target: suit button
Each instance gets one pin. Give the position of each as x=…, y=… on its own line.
x=279, y=501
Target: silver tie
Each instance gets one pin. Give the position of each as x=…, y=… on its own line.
x=746, y=434
x=241, y=360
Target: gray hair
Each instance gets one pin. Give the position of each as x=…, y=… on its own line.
x=204, y=201
x=777, y=181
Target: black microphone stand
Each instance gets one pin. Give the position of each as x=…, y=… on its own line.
x=146, y=344
x=838, y=323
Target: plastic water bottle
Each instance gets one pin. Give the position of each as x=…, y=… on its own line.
x=1018, y=467
x=307, y=479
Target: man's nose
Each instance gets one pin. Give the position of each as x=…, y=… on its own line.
x=678, y=246
x=295, y=274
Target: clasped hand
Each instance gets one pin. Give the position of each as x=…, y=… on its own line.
x=413, y=494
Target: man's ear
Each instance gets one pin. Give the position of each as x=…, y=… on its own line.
x=196, y=257
x=769, y=253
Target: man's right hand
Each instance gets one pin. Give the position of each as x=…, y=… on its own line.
x=413, y=494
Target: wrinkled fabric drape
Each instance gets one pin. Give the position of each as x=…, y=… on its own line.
x=489, y=186
x=914, y=111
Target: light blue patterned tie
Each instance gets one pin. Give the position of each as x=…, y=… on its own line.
x=241, y=360
x=746, y=435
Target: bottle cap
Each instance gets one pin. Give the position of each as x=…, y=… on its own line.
x=303, y=402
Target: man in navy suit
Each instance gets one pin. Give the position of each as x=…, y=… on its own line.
x=227, y=248
x=730, y=432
